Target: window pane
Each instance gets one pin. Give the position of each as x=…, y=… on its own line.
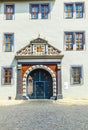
x=8, y=42
x=79, y=41
x=9, y=11
x=34, y=11
x=76, y=75
x=7, y=75
x=44, y=11
x=69, y=10
x=79, y=10
x=69, y=41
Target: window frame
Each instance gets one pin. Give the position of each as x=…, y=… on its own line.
x=74, y=10
x=46, y=4
x=40, y=12
x=69, y=49
x=3, y=77
x=13, y=14
x=31, y=10
x=83, y=41
x=81, y=77
x=74, y=41
x=65, y=4
x=12, y=46
x=79, y=3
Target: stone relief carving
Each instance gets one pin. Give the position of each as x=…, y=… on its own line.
x=48, y=50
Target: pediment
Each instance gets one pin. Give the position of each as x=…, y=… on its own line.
x=38, y=47
x=39, y=40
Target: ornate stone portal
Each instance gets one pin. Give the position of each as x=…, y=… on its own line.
x=38, y=55
x=39, y=67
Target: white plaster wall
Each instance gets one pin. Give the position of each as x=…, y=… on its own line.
x=52, y=29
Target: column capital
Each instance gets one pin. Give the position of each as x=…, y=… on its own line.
x=19, y=67
x=59, y=66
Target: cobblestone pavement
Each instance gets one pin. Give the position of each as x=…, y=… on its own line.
x=43, y=115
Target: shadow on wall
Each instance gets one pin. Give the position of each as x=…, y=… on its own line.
x=24, y=7
x=14, y=65
x=14, y=62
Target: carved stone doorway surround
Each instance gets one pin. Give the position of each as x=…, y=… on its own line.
x=38, y=67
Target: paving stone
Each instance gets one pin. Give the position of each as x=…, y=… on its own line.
x=43, y=115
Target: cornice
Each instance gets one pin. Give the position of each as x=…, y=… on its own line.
x=23, y=0
x=39, y=57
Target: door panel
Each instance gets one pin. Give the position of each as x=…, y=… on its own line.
x=42, y=84
x=39, y=89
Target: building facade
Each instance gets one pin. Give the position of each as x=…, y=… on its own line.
x=43, y=49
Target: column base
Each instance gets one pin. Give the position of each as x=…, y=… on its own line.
x=59, y=96
x=53, y=98
x=19, y=97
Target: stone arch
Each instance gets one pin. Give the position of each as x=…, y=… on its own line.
x=38, y=67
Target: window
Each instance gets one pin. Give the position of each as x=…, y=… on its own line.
x=7, y=76
x=74, y=41
x=8, y=42
x=69, y=41
x=9, y=12
x=76, y=75
x=80, y=41
x=39, y=11
x=34, y=11
x=74, y=10
x=69, y=10
x=79, y=10
x=44, y=11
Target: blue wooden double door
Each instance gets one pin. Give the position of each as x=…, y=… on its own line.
x=42, y=84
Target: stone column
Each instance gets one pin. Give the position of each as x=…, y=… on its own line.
x=19, y=82
x=59, y=82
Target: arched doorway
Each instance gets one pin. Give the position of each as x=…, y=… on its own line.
x=40, y=84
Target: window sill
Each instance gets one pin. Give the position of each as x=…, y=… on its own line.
x=73, y=85
x=79, y=49
x=74, y=18
x=7, y=84
x=69, y=49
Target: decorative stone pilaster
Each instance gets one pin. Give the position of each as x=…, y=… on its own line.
x=19, y=82
x=59, y=93
x=19, y=67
